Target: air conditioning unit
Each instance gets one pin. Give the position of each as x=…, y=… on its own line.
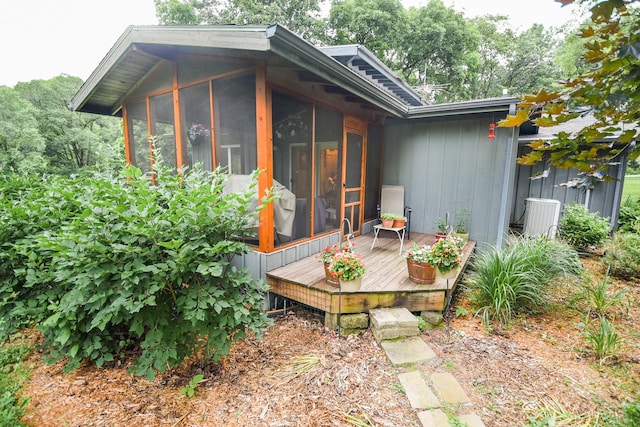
x=541, y=217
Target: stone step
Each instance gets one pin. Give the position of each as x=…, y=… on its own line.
x=448, y=388
x=433, y=418
x=392, y=323
x=407, y=351
x=419, y=394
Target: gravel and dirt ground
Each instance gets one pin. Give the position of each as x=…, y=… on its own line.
x=300, y=374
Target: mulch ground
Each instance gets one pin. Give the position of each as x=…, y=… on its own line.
x=300, y=374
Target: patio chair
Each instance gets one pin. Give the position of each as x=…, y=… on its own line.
x=392, y=201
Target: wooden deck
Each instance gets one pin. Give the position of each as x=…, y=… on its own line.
x=386, y=282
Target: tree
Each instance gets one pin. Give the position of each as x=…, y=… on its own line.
x=376, y=24
x=21, y=146
x=610, y=87
x=300, y=16
x=73, y=140
x=494, y=39
x=438, y=49
x=529, y=62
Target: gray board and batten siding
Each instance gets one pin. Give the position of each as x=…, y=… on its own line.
x=604, y=198
x=447, y=164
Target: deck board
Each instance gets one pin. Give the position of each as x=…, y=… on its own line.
x=385, y=283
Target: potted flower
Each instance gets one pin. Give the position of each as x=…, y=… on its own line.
x=197, y=132
x=398, y=221
x=420, y=264
x=326, y=256
x=461, y=227
x=387, y=219
x=441, y=225
x=349, y=269
x=446, y=255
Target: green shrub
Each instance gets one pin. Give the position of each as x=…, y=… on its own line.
x=518, y=277
x=127, y=265
x=622, y=255
x=629, y=217
x=30, y=207
x=12, y=376
x=581, y=228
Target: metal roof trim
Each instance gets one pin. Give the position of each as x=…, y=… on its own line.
x=488, y=105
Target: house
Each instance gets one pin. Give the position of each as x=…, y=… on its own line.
x=329, y=125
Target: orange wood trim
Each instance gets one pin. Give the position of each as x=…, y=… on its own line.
x=125, y=128
x=232, y=73
x=176, y=119
x=214, y=154
x=313, y=170
x=240, y=71
x=265, y=156
x=150, y=135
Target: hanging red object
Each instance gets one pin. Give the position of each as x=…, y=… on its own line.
x=492, y=131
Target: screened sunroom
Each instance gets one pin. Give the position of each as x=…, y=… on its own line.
x=248, y=98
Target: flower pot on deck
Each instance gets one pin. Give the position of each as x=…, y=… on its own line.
x=351, y=285
x=399, y=223
x=449, y=275
x=386, y=222
x=421, y=273
x=329, y=276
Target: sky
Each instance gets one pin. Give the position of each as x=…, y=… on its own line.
x=41, y=39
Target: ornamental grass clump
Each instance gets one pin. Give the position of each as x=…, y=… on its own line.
x=519, y=277
x=347, y=266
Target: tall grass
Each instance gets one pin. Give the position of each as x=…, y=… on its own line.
x=597, y=298
x=603, y=338
x=519, y=277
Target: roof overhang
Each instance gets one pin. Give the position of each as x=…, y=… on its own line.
x=140, y=49
x=360, y=59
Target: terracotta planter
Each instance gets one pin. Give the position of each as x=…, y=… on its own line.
x=387, y=223
x=421, y=273
x=329, y=276
x=440, y=236
x=399, y=223
x=351, y=285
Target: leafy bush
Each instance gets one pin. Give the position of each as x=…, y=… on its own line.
x=30, y=207
x=629, y=218
x=126, y=265
x=518, y=277
x=12, y=375
x=581, y=228
x=622, y=255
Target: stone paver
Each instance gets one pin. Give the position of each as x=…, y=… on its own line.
x=419, y=394
x=408, y=350
x=387, y=325
x=448, y=388
x=391, y=323
x=471, y=420
x=434, y=418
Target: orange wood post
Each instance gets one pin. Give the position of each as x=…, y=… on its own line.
x=265, y=156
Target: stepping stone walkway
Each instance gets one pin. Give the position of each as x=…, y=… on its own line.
x=436, y=399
